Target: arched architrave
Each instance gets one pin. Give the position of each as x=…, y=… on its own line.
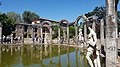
x=65, y=23
x=76, y=27
x=49, y=27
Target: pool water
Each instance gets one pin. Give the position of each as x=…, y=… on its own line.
x=42, y=56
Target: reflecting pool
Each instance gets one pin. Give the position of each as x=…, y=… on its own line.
x=42, y=56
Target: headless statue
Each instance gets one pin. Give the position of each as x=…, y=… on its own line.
x=93, y=49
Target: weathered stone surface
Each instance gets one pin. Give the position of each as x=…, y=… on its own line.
x=111, y=43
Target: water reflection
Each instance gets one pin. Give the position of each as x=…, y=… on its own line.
x=41, y=56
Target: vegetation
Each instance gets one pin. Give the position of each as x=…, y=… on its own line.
x=28, y=16
x=8, y=20
x=8, y=24
x=100, y=12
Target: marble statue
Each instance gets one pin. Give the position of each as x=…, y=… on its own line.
x=93, y=49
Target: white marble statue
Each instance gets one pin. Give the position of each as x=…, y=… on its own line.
x=81, y=38
x=93, y=49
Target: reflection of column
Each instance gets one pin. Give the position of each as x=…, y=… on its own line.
x=59, y=35
x=46, y=52
x=0, y=55
x=11, y=50
x=41, y=54
x=76, y=53
x=68, y=57
x=67, y=35
x=102, y=32
x=85, y=60
x=22, y=50
x=31, y=52
x=50, y=54
x=85, y=32
x=59, y=61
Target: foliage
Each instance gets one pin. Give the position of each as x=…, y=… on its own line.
x=71, y=32
x=8, y=24
x=55, y=29
x=28, y=16
x=14, y=16
x=99, y=11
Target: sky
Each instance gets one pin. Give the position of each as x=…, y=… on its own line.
x=52, y=9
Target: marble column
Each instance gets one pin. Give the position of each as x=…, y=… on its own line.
x=85, y=32
x=59, y=35
x=0, y=33
x=94, y=23
x=23, y=34
x=102, y=32
x=111, y=34
x=50, y=35
x=33, y=38
x=67, y=35
x=76, y=34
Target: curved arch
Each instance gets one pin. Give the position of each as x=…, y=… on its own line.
x=46, y=22
x=85, y=18
x=79, y=17
x=62, y=22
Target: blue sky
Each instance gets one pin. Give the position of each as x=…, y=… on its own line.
x=52, y=9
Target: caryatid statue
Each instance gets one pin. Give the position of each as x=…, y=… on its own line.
x=81, y=39
x=93, y=49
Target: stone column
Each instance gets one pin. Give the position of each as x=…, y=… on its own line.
x=85, y=32
x=28, y=32
x=50, y=35
x=67, y=35
x=0, y=33
x=102, y=32
x=111, y=34
x=41, y=35
x=33, y=35
x=76, y=34
x=59, y=35
x=38, y=34
x=12, y=38
x=94, y=23
x=23, y=34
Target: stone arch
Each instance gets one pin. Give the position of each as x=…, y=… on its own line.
x=81, y=17
x=47, y=32
x=46, y=22
x=63, y=22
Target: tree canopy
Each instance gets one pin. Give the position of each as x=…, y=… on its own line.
x=8, y=24
x=14, y=16
x=28, y=16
